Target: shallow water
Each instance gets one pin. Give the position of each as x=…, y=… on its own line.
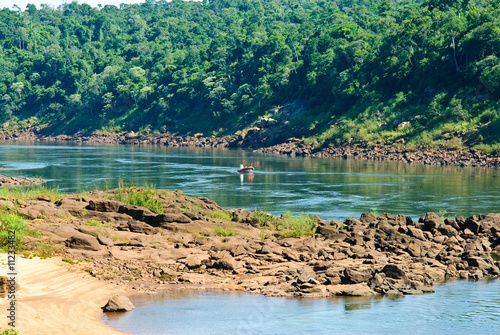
x=458, y=307
x=332, y=189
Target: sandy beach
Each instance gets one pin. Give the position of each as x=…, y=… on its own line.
x=54, y=299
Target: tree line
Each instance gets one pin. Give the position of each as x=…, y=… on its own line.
x=368, y=70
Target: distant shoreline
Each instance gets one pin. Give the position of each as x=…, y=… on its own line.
x=292, y=147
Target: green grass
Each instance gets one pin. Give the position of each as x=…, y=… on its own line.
x=222, y=231
x=96, y=223
x=70, y=261
x=220, y=215
x=14, y=223
x=46, y=249
x=263, y=217
x=26, y=193
x=10, y=331
x=145, y=197
x=296, y=226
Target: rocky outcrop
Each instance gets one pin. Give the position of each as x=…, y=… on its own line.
x=14, y=181
x=375, y=254
x=426, y=156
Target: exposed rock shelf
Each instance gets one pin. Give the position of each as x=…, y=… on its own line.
x=385, y=254
x=14, y=181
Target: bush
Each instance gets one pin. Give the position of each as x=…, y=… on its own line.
x=144, y=197
x=263, y=217
x=15, y=223
x=488, y=116
x=296, y=226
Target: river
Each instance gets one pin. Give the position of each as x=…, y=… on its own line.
x=332, y=189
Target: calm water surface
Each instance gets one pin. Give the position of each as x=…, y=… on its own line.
x=332, y=189
x=456, y=308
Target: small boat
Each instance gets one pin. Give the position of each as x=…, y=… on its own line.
x=245, y=169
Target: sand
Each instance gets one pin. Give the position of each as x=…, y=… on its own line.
x=55, y=299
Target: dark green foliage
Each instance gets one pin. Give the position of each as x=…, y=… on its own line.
x=216, y=66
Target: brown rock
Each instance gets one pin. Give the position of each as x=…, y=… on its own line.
x=83, y=241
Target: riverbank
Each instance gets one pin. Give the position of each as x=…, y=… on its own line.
x=197, y=243
x=106, y=246
x=55, y=298
x=258, y=140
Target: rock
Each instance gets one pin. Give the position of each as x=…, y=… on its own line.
x=104, y=205
x=352, y=290
x=352, y=276
x=83, y=241
x=432, y=221
x=157, y=220
x=5, y=286
x=394, y=271
x=105, y=240
x=141, y=227
x=473, y=225
x=118, y=303
x=226, y=262
x=417, y=233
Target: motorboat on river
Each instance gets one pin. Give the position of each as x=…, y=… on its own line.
x=245, y=169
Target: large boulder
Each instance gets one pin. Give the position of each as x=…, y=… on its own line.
x=432, y=221
x=84, y=241
x=118, y=303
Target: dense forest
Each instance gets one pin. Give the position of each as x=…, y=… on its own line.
x=372, y=71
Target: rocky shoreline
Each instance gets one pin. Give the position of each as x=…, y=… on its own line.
x=188, y=246
x=15, y=181
x=261, y=141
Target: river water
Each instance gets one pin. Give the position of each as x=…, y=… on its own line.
x=332, y=189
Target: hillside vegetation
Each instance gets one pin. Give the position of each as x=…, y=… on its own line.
x=337, y=71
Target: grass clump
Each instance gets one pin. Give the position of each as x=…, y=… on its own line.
x=96, y=223
x=220, y=215
x=223, y=231
x=26, y=193
x=296, y=226
x=14, y=226
x=137, y=196
x=46, y=249
x=264, y=219
x=70, y=261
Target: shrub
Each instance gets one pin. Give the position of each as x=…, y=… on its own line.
x=263, y=217
x=488, y=116
x=454, y=144
x=15, y=223
x=145, y=197
x=296, y=226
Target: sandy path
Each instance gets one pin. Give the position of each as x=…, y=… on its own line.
x=54, y=299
